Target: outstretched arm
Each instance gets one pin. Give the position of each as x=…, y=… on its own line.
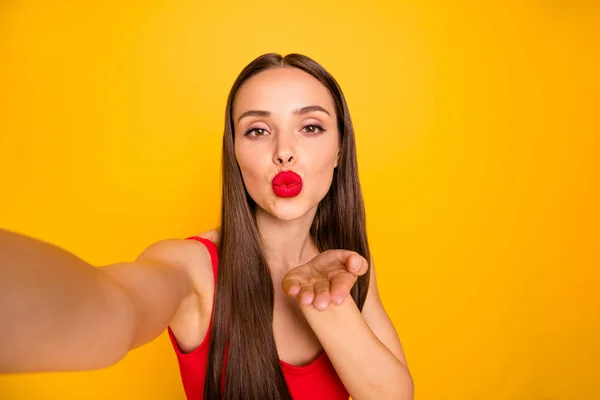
x=59, y=313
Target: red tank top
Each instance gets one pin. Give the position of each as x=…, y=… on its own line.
x=315, y=381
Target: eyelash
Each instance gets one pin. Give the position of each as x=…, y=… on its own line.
x=319, y=127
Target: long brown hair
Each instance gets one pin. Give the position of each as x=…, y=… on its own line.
x=244, y=298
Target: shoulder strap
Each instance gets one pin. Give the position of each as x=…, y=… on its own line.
x=212, y=250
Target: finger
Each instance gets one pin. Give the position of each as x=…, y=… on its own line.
x=291, y=287
x=330, y=260
x=340, y=287
x=322, y=298
x=357, y=264
x=307, y=294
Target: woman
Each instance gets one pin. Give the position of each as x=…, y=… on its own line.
x=283, y=278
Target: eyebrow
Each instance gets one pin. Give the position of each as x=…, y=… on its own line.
x=299, y=111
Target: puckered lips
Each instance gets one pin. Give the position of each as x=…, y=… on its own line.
x=287, y=184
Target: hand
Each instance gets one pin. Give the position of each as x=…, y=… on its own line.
x=326, y=278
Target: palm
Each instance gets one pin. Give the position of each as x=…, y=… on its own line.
x=327, y=278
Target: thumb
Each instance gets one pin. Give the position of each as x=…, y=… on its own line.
x=351, y=260
x=356, y=264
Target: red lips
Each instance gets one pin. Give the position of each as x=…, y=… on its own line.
x=287, y=184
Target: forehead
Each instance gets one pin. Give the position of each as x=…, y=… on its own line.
x=281, y=90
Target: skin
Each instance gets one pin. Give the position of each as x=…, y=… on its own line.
x=124, y=305
x=280, y=138
x=306, y=142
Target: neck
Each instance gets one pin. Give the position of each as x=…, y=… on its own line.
x=286, y=244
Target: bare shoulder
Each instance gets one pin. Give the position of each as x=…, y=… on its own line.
x=190, y=255
x=190, y=323
x=213, y=235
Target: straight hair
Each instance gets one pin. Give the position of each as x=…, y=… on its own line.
x=243, y=362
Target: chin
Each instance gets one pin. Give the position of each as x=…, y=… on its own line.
x=288, y=212
x=285, y=209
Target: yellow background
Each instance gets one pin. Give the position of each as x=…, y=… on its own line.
x=478, y=138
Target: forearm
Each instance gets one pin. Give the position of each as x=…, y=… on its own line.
x=368, y=369
x=57, y=312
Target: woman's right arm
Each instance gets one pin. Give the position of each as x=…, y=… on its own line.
x=59, y=313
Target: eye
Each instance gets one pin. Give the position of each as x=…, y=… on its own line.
x=256, y=133
x=313, y=129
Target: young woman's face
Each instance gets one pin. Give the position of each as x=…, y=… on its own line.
x=284, y=120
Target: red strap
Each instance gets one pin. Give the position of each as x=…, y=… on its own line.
x=212, y=250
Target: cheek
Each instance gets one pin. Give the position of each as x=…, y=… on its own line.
x=324, y=155
x=323, y=166
x=250, y=166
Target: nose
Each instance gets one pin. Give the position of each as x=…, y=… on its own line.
x=284, y=154
x=284, y=158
